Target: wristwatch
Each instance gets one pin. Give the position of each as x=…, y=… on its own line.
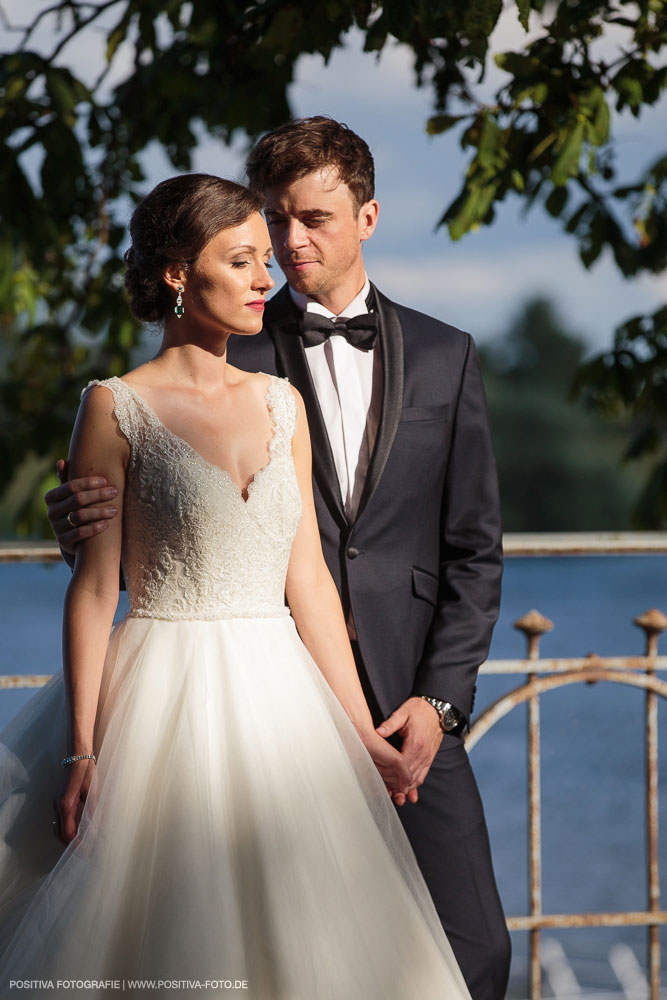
x=450, y=717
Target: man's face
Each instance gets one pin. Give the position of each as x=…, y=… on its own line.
x=317, y=234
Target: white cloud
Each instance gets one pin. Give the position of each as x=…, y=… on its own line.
x=480, y=292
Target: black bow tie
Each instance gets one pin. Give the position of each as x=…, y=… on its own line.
x=359, y=331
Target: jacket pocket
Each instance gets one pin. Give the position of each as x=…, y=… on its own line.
x=425, y=585
x=424, y=412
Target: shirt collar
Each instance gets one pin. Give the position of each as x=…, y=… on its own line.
x=357, y=307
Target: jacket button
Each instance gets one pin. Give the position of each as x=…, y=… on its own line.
x=352, y=553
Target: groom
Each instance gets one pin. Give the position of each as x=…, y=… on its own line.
x=406, y=495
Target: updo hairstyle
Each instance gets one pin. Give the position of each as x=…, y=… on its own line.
x=172, y=225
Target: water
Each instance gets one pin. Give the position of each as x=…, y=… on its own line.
x=593, y=856
x=592, y=737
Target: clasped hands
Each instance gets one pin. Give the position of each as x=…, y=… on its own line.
x=418, y=725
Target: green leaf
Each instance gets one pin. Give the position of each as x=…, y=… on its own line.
x=524, y=13
x=473, y=210
x=118, y=34
x=594, y=106
x=628, y=85
x=517, y=64
x=556, y=201
x=537, y=93
x=567, y=162
x=592, y=240
x=441, y=123
x=490, y=147
x=601, y=123
x=576, y=218
x=517, y=179
x=461, y=222
x=480, y=18
x=62, y=94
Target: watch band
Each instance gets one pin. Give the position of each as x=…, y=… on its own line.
x=449, y=716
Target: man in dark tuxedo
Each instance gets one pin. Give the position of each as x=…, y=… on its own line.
x=407, y=503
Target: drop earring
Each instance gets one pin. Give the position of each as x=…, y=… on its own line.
x=178, y=308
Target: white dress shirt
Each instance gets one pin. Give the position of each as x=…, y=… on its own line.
x=348, y=383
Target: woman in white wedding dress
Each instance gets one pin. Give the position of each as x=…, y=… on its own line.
x=225, y=825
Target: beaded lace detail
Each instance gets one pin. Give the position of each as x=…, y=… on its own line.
x=193, y=548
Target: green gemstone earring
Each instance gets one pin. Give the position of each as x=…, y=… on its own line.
x=179, y=308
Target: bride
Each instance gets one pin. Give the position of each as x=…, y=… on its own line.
x=225, y=822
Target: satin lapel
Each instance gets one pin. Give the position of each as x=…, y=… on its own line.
x=391, y=339
x=282, y=326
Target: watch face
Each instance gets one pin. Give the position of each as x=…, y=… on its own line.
x=450, y=719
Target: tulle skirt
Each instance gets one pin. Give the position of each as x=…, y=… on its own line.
x=237, y=838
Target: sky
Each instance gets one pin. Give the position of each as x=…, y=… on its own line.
x=480, y=282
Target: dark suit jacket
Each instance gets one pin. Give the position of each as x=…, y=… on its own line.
x=421, y=565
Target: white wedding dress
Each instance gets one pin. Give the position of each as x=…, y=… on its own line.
x=236, y=828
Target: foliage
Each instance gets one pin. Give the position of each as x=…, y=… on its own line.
x=557, y=464
x=631, y=380
x=73, y=147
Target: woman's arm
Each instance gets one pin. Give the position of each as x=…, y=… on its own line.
x=317, y=612
x=92, y=597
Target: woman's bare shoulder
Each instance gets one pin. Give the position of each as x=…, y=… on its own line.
x=254, y=382
x=141, y=375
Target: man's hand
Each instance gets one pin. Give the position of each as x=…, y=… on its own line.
x=417, y=723
x=393, y=769
x=88, y=501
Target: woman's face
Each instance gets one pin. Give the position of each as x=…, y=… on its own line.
x=226, y=286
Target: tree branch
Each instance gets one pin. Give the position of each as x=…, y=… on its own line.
x=56, y=8
x=83, y=24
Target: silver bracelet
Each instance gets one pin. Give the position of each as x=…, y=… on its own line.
x=79, y=756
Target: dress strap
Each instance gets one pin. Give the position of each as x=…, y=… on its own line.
x=131, y=419
x=282, y=405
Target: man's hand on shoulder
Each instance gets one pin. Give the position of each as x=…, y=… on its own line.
x=417, y=723
x=79, y=508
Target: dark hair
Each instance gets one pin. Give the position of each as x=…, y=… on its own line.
x=306, y=144
x=172, y=225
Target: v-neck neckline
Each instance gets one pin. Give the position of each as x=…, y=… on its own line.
x=244, y=492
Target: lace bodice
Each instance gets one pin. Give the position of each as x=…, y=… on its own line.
x=193, y=548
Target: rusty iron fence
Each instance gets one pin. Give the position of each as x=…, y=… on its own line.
x=539, y=677
x=543, y=675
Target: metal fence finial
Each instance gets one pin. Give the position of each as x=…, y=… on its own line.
x=533, y=625
x=652, y=623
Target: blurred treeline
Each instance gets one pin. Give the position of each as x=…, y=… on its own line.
x=559, y=465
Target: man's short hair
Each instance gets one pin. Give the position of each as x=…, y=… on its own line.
x=304, y=145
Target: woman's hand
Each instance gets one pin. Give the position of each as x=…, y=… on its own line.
x=90, y=603
x=69, y=805
x=418, y=725
x=392, y=767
